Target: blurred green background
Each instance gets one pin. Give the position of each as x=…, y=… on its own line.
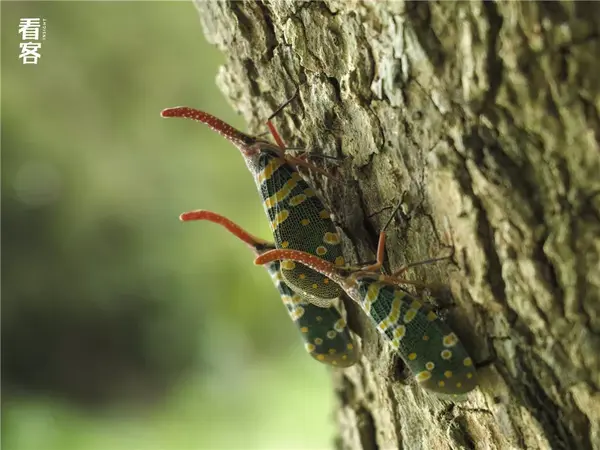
x=123, y=328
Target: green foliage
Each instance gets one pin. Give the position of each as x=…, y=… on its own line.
x=107, y=298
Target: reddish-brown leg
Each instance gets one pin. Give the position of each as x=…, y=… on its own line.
x=381, y=243
x=380, y=254
x=272, y=129
x=294, y=161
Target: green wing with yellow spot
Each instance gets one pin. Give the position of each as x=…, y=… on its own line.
x=299, y=221
x=426, y=344
x=324, y=331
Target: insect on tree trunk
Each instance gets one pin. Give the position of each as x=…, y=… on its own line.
x=485, y=116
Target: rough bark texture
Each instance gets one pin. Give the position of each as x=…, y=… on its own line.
x=487, y=116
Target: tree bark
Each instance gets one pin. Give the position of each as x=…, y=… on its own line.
x=486, y=116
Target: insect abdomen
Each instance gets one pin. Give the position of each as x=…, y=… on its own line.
x=428, y=347
x=326, y=335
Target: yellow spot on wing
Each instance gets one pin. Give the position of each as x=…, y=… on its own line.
x=431, y=316
x=269, y=169
x=305, y=222
x=280, y=217
x=315, y=286
x=371, y=296
x=331, y=238
x=297, y=199
x=412, y=356
x=450, y=340
x=416, y=304
x=468, y=362
x=399, y=333
x=349, y=346
x=321, y=250
x=288, y=265
x=399, y=294
x=298, y=312
x=285, y=244
x=318, y=341
x=339, y=325
x=392, y=317
x=331, y=334
x=304, y=329
x=282, y=193
x=340, y=261
x=448, y=374
x=410, y=315
x=332, y=351
x=423, y=376
x=441, y=383
x=320, y=357
x=309, y=347
x=324, y=214
x=309, y=192
x=430, y=365
x=446, y=354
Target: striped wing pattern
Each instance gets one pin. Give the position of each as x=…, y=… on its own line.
x=428, y=347
x=299, y=221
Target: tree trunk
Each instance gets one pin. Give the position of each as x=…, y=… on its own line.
x=486, y=117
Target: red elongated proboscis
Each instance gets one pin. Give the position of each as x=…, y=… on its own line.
x=324, y=330
x=314, y=262
x=241, y=140
x=234, y=228
x=330, y=270
x=236, y=137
